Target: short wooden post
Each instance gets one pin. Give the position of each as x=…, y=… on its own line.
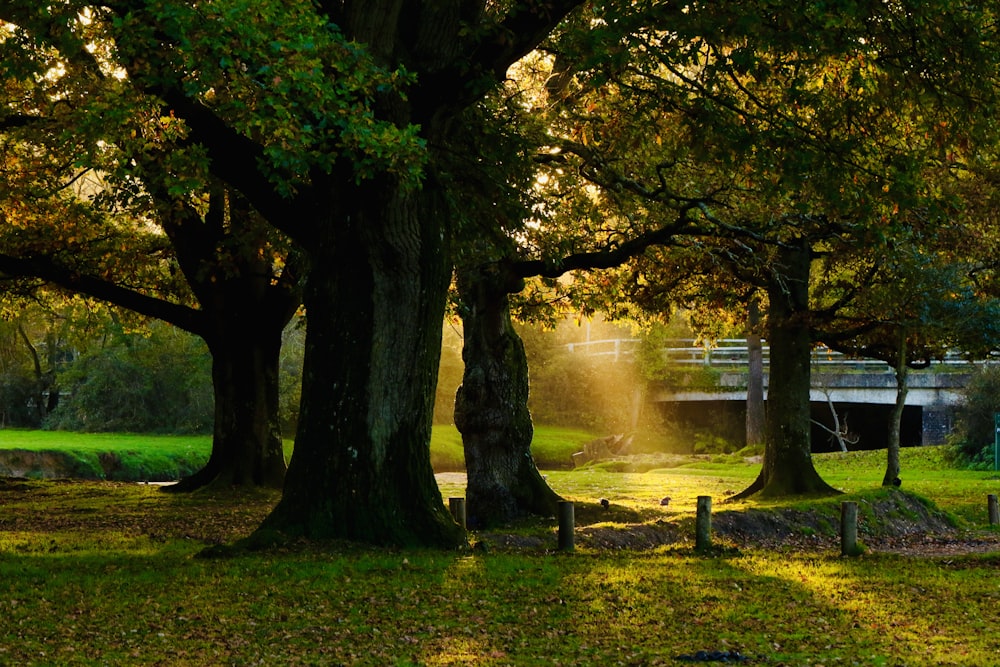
x=567, y=521
x=457, y=507
x=703, y=524
x=849, y=528
x=991, y=501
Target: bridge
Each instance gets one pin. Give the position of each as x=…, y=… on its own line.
x=714, y=378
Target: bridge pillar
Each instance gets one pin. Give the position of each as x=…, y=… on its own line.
x=937, y=424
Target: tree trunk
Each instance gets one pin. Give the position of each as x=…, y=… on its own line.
x=788, y=468
x=375, y=297
x=45, y=395
x=245, y=306
x=756, y=412
x=892, y=466
x=246, y=442
x=491, y=407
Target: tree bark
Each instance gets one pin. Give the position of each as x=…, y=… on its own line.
x=892, y=466
x=247, y=447
x=491, y=406
x=379, y=271
x=375, y=297
x=756, y=411
x=788, y=468
x=244, y=309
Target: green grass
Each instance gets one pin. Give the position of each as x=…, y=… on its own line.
x=552, y=447
x=163, y=458
x=124, y=457
x=106, y=573
x=103, y=442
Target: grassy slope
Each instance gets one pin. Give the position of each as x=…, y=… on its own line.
x=102, y=573
x=126, y=457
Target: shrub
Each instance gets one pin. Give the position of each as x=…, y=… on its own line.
x=156, y=383
x=974, y=435
x=17, y=391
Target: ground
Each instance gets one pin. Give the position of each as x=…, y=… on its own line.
x=902, y=523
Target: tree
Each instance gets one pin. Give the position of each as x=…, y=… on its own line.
x=356, y=109
x=767, y=103
x=35, y=344
x=787, y=132
x=154, y=379
x=756, y=410
x=100, y=208
x=491, y=406
x=241, y=299
x=920, y=307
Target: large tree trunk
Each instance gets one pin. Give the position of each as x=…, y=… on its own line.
x=375, y=298
x=756, y=412
x=491, y=406
x=378, y=279
x=788, y=468
x=892, y=466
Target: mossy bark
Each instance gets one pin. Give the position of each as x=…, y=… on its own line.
x=756, y=411
x=227, y=260
x=491, y=406
x=375, y=296
x=246, y=444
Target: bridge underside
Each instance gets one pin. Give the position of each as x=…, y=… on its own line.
x=865, y=423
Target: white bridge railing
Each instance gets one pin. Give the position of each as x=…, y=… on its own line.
x=730, y=353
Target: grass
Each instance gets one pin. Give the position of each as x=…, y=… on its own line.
x=552, y=447
x=102, y=573
x=132, y=457
x=123, y=457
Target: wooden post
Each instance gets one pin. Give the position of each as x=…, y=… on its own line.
x=991, y=501
x=849, y=528
x=457, y=508
x=703, y=524
x=567, y=521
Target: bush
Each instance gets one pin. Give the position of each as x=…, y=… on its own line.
x=290, y=375
x=155, y=383
x=17, y=392
x=974, y=435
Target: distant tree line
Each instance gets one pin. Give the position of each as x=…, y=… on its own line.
x=147, y=377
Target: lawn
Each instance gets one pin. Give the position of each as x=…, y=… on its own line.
x=141, y=457
x=96, y=573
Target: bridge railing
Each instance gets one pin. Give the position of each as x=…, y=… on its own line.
x=730, y=353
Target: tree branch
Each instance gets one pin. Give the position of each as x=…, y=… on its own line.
x=610, y=257
x=44, y=268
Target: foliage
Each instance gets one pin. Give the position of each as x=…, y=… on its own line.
x=160, y=382
x=16, y=394
x=975, y=431
x=573, y=388
x=450, y=373
x=924, y=298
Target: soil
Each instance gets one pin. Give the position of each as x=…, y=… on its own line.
x=37, y=464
